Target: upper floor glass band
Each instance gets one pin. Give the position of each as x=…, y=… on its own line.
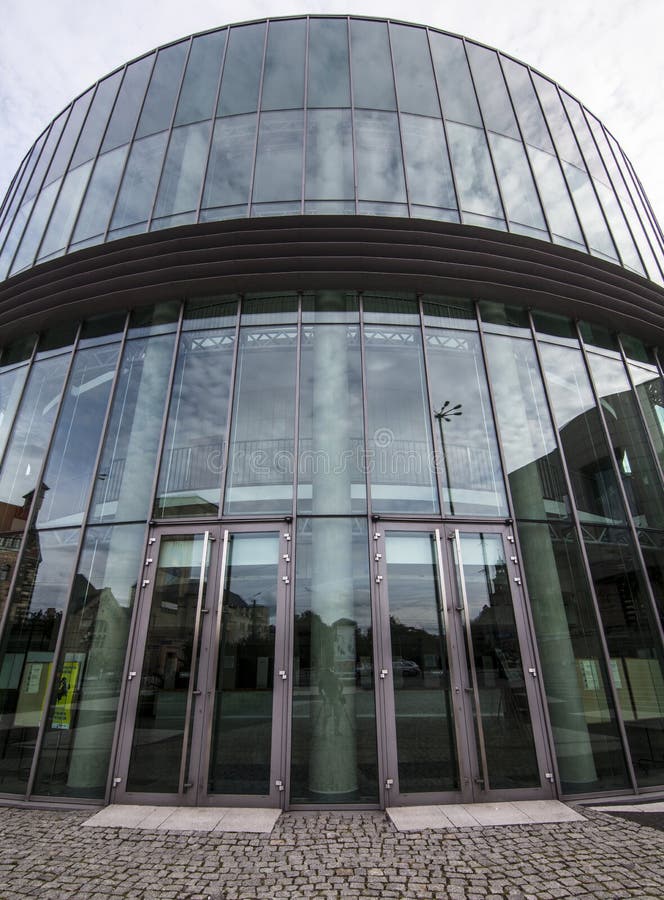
x=333, y=115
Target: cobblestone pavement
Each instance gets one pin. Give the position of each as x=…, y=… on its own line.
x=48, y=855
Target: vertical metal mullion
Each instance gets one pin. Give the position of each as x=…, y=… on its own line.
x=639, y=406
x=429, y=397
x=558, y=159
x=576, y=521
x=170, y=136
x=29, y=524
x=96, y=156
x=631, y=527
x=396, y=97
x=439, y=95
x=259, y=117
x=130, y=143
x=29, y=365
x=305, y=114
x=470, y=664
x=531, y=635
x=213, y=124
x=485, y=131
x=167, y=407
x=365, y=417
x=296, y=423
x=352, y=118
x=231, y=401
x=524, y=146
x=195, y=667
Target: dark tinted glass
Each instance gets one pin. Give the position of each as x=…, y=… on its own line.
x=70, y=134
x=242, y=70
x=97, y=119
x=329, y=166
x=162, y=93
x=231, y=159
x=128, y=103
x=373, y=83
x=329, y=73
x=98, y=203
x=201, y=80
x=140, y=181
x=183, y=170
x=46, y=155
x=416, y=87
x=279, y=157
x=283, y=80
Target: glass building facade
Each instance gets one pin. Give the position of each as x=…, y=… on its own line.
x=331, y=433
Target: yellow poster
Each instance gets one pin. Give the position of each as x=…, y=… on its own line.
x=64, y=694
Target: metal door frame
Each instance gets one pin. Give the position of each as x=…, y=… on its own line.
x=463, y=686
x=200, y=705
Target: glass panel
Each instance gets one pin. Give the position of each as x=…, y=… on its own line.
x=11, y=387
x=330, y=306
x=334, y=756
x=262, y=452
x=398, y=309
x=242, y=70
x=529, y=446
x=412, y=63
x=77, y=743
x=379, y=162
x=45, y=158
x=470, y=466
x=73, y=452
x=24, y=456
x=26, y=651
x=192, y=460
x=427, y=162
x=555, y=197
x=61, y=157
x=373, y=82
x=168, y=666
x=95, y=123
x=157, y=110
x=453, y=312
x=630, y=446
x=66, y=209
x=528, y=110
x=14, y=237
x=279, y=157
x=650, y=390
x=331, y=478
x=426, y=745
x=269, y=309
x=454, y=82
x=619, y=230
x=139, y=183
x=590, y=212
x=476, y=181
x=329, y=166
x=242, y=723
x=561, y=130
x=588, y=457
x=588, y=746
x=183, y=170
x=518, y=188
x=635, y=648
x=495, y=656
x=128, y=105
x=126, y=468
x=329, y=67
x=494, y=99
x=231, y=158
x=35, y=228
x=199, y=88
x=98, y=202
x=283, y=78
x=399, y=452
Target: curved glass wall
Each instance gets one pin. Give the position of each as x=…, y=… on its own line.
x=334, y=409
x=324, y=116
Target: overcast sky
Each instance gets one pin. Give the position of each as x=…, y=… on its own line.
x=608, y=54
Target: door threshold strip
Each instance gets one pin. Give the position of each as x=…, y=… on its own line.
x=186, y=818
x=481, y=815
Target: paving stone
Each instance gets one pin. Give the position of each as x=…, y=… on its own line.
x=49, y=854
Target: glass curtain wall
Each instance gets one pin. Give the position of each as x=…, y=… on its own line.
x=330, y=405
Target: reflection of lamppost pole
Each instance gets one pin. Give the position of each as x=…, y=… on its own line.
x=445, y=414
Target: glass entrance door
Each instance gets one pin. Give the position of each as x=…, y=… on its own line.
x=462, y=709
x=206, y=697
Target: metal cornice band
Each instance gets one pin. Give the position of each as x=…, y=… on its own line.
x=306, y=252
